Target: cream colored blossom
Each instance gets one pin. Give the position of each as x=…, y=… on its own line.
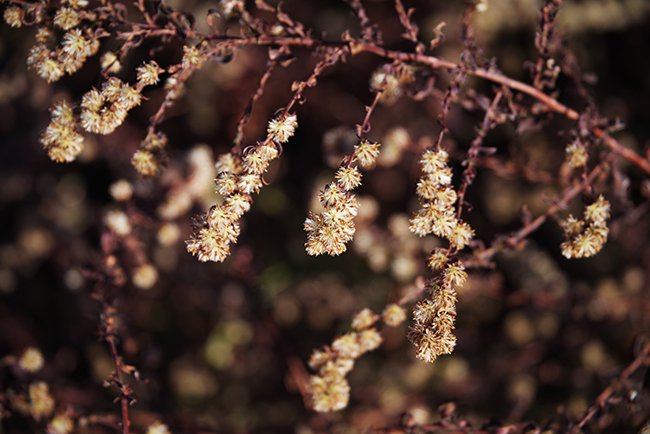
x=41, y=403
x=145, y=163
x=366, y=153
x=14, y=15
x=347, y=346
x=576, y=155
x=348, y=178
x=31, y=360
x=283, y=128
x=66, y=18
x=145, y=276
x=60, y=424
x=118, y=222
x=329, y=393
x=193, y=57
x=158, y=428
x=60, y=139
x=584, y=238
x=121, y=190
x=149, y=73
x=364, y=319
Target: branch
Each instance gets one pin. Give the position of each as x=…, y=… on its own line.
x=433, y=62
x=643, y=358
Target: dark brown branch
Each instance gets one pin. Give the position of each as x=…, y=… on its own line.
x=474, y=149
x=642, y=359
x=239, y=137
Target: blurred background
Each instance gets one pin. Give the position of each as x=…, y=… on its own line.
x=539, y=336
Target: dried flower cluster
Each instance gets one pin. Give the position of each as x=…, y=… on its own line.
x=61, y=424
x=238, y=178
x=437, y=214
x=329, y=389
x=432, y=329
x=101, y=113
x=330, y=231
x=49, y=58
x=69, y=34
x=584, y=238
x=31, y=360
x=60, y=139
x=433, y=318
x=40, y=400
x=37, y=401
x=148, y=159
x=576, y=155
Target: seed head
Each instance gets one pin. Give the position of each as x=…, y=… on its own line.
x=66, y=18
x=145, y=163
x=393, y=315
x=282, y=129
x=366, y=153
x=348, y=178
x=14, y=15
x=60, y=424
x=149, y=74
x=364, y=319
x=41, y=403
x=31, y=360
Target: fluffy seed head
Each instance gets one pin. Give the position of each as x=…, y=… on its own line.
x=282, y=129
x=576, y=155
x=149, y=73
x=433, y=161
x=364, y=319
x=393, y=315
x=60, y=424
x=366, y=153
x=329, y=393
x=14, y=15
x=31, y=360
x=66, y=18
x=145, y=163
x=348, y=178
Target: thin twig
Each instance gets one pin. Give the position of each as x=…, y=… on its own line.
x=643, y=358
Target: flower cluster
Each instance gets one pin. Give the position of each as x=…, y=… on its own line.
x=103, y=111
x=63, y=44
x=194, y=56
x=437, y=214
x=37, y=401
x=148, y=159
x=433, y=317
x=49, y=59
x=433, y=325
x=584, y=238
x=31, y=360
x=60, y=139
x=329, y=388
x=330, y=231
x=60, y=424
x=237, y=179
x=14, y=16
x=40, y=400
x=576, y=155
